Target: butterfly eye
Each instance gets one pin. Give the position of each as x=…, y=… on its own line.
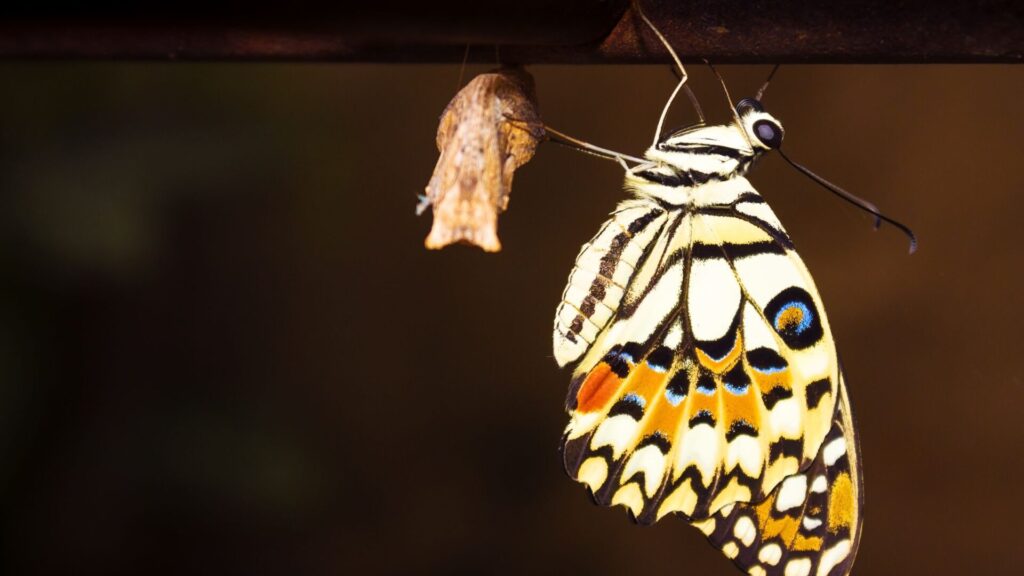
x=748, y=105
x=769, y=133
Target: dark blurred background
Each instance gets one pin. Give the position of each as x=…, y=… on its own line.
x=224, y=349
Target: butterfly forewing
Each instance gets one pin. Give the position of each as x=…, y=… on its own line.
x=712, y=376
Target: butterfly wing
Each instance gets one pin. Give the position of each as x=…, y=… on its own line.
x=810, y=524
x=714, y=375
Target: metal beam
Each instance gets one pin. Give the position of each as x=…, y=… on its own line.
x=525, y=31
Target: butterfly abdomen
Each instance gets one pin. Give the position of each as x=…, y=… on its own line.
x=603, y=269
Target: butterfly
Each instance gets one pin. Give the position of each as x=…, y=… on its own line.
x=706, y=381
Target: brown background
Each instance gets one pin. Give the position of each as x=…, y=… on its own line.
x=223, y=347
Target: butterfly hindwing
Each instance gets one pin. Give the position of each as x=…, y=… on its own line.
x=810, y=524
x=715, y=376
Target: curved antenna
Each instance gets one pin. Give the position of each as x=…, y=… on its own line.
x=682, y=74
x=760, y=92
x=732, y=108
x=664, y=113
x=693, y=99
x=858, y=202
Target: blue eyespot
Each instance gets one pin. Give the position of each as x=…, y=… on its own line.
x=794, y=317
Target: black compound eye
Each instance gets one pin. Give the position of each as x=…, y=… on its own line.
x=769, y=133
x=747, y=105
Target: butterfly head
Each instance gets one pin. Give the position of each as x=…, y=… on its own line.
x=724, y=149
x=763, y=132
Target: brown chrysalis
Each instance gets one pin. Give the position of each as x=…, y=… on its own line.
x=490, y=128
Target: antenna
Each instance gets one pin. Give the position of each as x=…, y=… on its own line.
x=732, y=108
x=682, y=74
x=760, y=92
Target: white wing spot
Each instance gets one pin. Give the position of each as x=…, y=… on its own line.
x=674, y=336
x=792, y=493
x=581, y=423
x=811, y=523
x=744, y=530
x=786, y=419
x=798, y=567
x=649, y=460
x=820, y=484
x=834, y=451
x=745, y=451
x=713, y=298
x=731, y=550
x=833, y=556
x=770, y=554
x=616, y=432
x=593, y=472
x=700, y=446
x=630, y=497
x=706, y=526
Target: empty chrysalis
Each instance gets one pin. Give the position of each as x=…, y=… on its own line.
x=488, y=130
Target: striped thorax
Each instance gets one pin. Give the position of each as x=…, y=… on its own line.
x=697, y=167
x=687, y=166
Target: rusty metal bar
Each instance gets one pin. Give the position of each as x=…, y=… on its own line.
x=527, y=31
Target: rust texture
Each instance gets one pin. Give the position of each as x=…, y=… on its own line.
x=529, y=31
x=488, y=130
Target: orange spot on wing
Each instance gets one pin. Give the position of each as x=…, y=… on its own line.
x=784, y=527
x=807, y=544
x=768, y=382
x=597, y=389
x=646, y=382
x=721, y=366
x=842, y=507
x=699, y=401
x=744, y=407
x=664, y=417
x=789, y=318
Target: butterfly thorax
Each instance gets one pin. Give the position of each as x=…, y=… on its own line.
x=705, y=165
